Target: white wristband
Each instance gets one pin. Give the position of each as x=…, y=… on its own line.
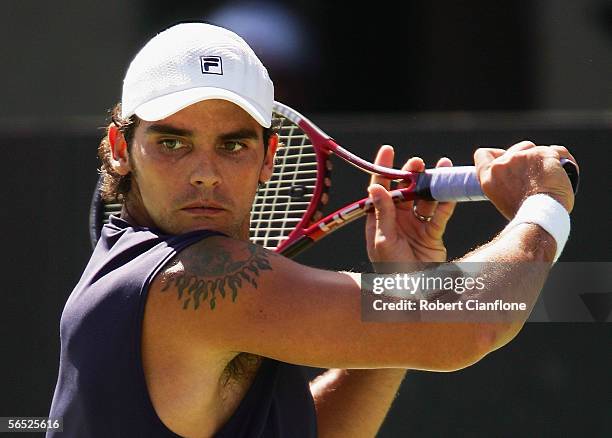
x=546, y=212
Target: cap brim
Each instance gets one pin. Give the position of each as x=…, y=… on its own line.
x=164, y=106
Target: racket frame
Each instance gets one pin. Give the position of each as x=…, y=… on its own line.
x=310, y=228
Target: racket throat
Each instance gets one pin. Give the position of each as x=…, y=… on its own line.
x=337, y=220
x=302, y=243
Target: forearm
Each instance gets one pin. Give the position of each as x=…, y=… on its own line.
x=524, y=243
x=517, y=265
x=513, y=268
x=354, y=402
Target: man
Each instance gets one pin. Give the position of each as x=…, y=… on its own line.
x=141, y=353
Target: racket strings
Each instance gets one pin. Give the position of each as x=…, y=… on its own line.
x=281, y=204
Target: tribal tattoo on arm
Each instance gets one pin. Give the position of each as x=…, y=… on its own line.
x=215, y=271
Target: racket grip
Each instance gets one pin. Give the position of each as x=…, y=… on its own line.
x=457, y=184
x=460, y=183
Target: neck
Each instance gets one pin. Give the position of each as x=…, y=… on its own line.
x=134, y=212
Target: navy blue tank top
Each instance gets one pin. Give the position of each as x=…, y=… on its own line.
x=101, y=389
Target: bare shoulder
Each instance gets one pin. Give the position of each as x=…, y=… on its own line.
x=214, y=270
x=183, y=296
x=210, y=290
x=229, y=296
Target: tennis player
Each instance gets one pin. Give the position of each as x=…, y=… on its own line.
x=181, y=327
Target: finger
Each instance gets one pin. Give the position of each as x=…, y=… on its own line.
x=517, y=148
x=483, y=157
x=437, y=225
x=554, y=151
x=444, y=162
x=384, y=157
x=554, y=154
x=384, y=214
x=521, y=146
x=414, y=164
x=564, y=153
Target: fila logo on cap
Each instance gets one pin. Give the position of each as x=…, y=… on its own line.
x=211, y=65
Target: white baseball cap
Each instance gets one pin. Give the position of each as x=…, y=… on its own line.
x=191, y=62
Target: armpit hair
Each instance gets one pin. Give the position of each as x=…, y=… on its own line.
x=239, y=368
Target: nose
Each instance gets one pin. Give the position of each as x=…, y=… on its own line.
x=205, y=175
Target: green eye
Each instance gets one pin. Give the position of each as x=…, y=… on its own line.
x=232, y=146
x=172, y=144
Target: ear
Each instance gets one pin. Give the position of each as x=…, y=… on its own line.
x=119, y=150
x=268, y=164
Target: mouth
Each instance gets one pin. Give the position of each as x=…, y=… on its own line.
x=204, y=209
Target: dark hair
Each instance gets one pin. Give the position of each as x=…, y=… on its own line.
x=115, y=187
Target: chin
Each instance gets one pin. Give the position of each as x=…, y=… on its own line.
x=220, y=225
x=220, y=228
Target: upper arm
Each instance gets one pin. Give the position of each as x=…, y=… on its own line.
x=233, y=296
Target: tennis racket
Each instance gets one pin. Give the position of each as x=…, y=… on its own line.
x=288, y=213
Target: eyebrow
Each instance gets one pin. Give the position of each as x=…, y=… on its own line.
x=168, y=129
x=239, y=134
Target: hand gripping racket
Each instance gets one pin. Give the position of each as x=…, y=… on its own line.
x=288, y=212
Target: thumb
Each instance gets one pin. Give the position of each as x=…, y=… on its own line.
x=384, y=211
